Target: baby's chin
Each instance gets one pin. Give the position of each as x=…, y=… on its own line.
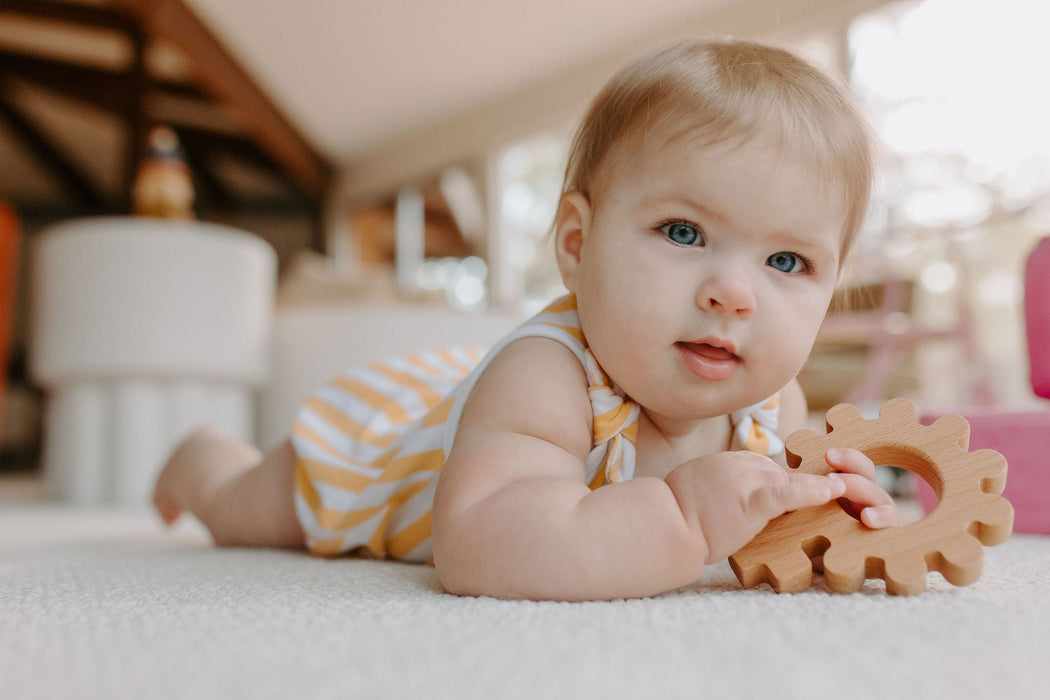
x=703, y=408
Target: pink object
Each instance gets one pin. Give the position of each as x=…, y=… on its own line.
x=1037, y=316
x=1023, y=437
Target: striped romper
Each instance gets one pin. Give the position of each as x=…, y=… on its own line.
x=371, y=444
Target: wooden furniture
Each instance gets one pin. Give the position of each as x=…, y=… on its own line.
x=969, y=513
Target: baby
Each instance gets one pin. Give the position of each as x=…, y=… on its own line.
x=626, y=436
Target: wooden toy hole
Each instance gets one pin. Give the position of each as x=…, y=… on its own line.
x=814, y=549
x=911, y=460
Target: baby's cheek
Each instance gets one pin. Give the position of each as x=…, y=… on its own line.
x=790, y=347
x=808, y=320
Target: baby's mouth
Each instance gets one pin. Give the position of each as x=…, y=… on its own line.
x=713, y=362
x=714, y=352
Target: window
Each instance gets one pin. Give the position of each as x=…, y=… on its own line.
x=530, y=174
x=953, y=91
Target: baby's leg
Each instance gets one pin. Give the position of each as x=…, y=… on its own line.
x=242, y=497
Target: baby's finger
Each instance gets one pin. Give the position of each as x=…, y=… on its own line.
x=868, y=501
x=862, y=491
x=880, y=516
x=800, y=491
x=851, y=461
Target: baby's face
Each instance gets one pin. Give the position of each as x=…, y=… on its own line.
x=705, y=273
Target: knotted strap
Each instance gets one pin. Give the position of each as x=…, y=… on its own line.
x=615, y=424
x=754, y=427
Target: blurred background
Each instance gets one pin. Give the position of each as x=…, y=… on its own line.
x=411, y=152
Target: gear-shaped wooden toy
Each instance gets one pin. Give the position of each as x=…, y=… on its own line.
x=970, y=512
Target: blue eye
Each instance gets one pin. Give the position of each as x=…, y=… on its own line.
x=682, y=233
x=786, y=262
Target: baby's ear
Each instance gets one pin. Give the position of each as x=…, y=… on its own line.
x=570, y=229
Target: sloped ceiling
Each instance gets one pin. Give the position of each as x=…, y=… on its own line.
x=357, y=75
x=363, y=87
x=391, y=91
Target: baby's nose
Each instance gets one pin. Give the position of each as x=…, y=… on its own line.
x=728, y=291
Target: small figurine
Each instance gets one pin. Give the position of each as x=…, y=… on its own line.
x=970, y=512
x=163, y=185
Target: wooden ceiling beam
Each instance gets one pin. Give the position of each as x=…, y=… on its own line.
x=232, y=117
x=102, y=88
x=95, y=16
x=211, y=190
x=71, y=176
x=97, y=86
x=211, y=144
x=109, y=92
x=228, y=82
x=136, y=126
x=240, y=147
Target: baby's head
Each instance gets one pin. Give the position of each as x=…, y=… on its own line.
x=711, y=195
x=724, y=91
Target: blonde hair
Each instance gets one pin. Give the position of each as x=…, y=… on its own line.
x=721, y=90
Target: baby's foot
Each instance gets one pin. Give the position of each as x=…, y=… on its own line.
x=175, y=485
x=204, y=461
x=167, y=506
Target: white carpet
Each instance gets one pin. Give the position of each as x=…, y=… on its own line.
x=104, y=604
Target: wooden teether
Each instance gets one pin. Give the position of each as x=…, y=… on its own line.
x=970, y=512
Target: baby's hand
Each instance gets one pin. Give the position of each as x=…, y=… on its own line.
x=866, y=498
x=730, y=496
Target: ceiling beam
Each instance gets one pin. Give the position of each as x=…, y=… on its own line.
x=103, y=88
x=111, y=92
x=220, y=111
x=211, y=192
x=240, y=147
x=96, y=16
x=136, y=126
x=65, y=170
x=98, y=86
x=227, y=81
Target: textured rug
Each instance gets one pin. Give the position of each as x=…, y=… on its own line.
x=106, y=604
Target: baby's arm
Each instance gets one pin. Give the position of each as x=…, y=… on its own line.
x=514, y=519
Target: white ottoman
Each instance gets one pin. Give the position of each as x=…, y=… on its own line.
x=143, y=329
